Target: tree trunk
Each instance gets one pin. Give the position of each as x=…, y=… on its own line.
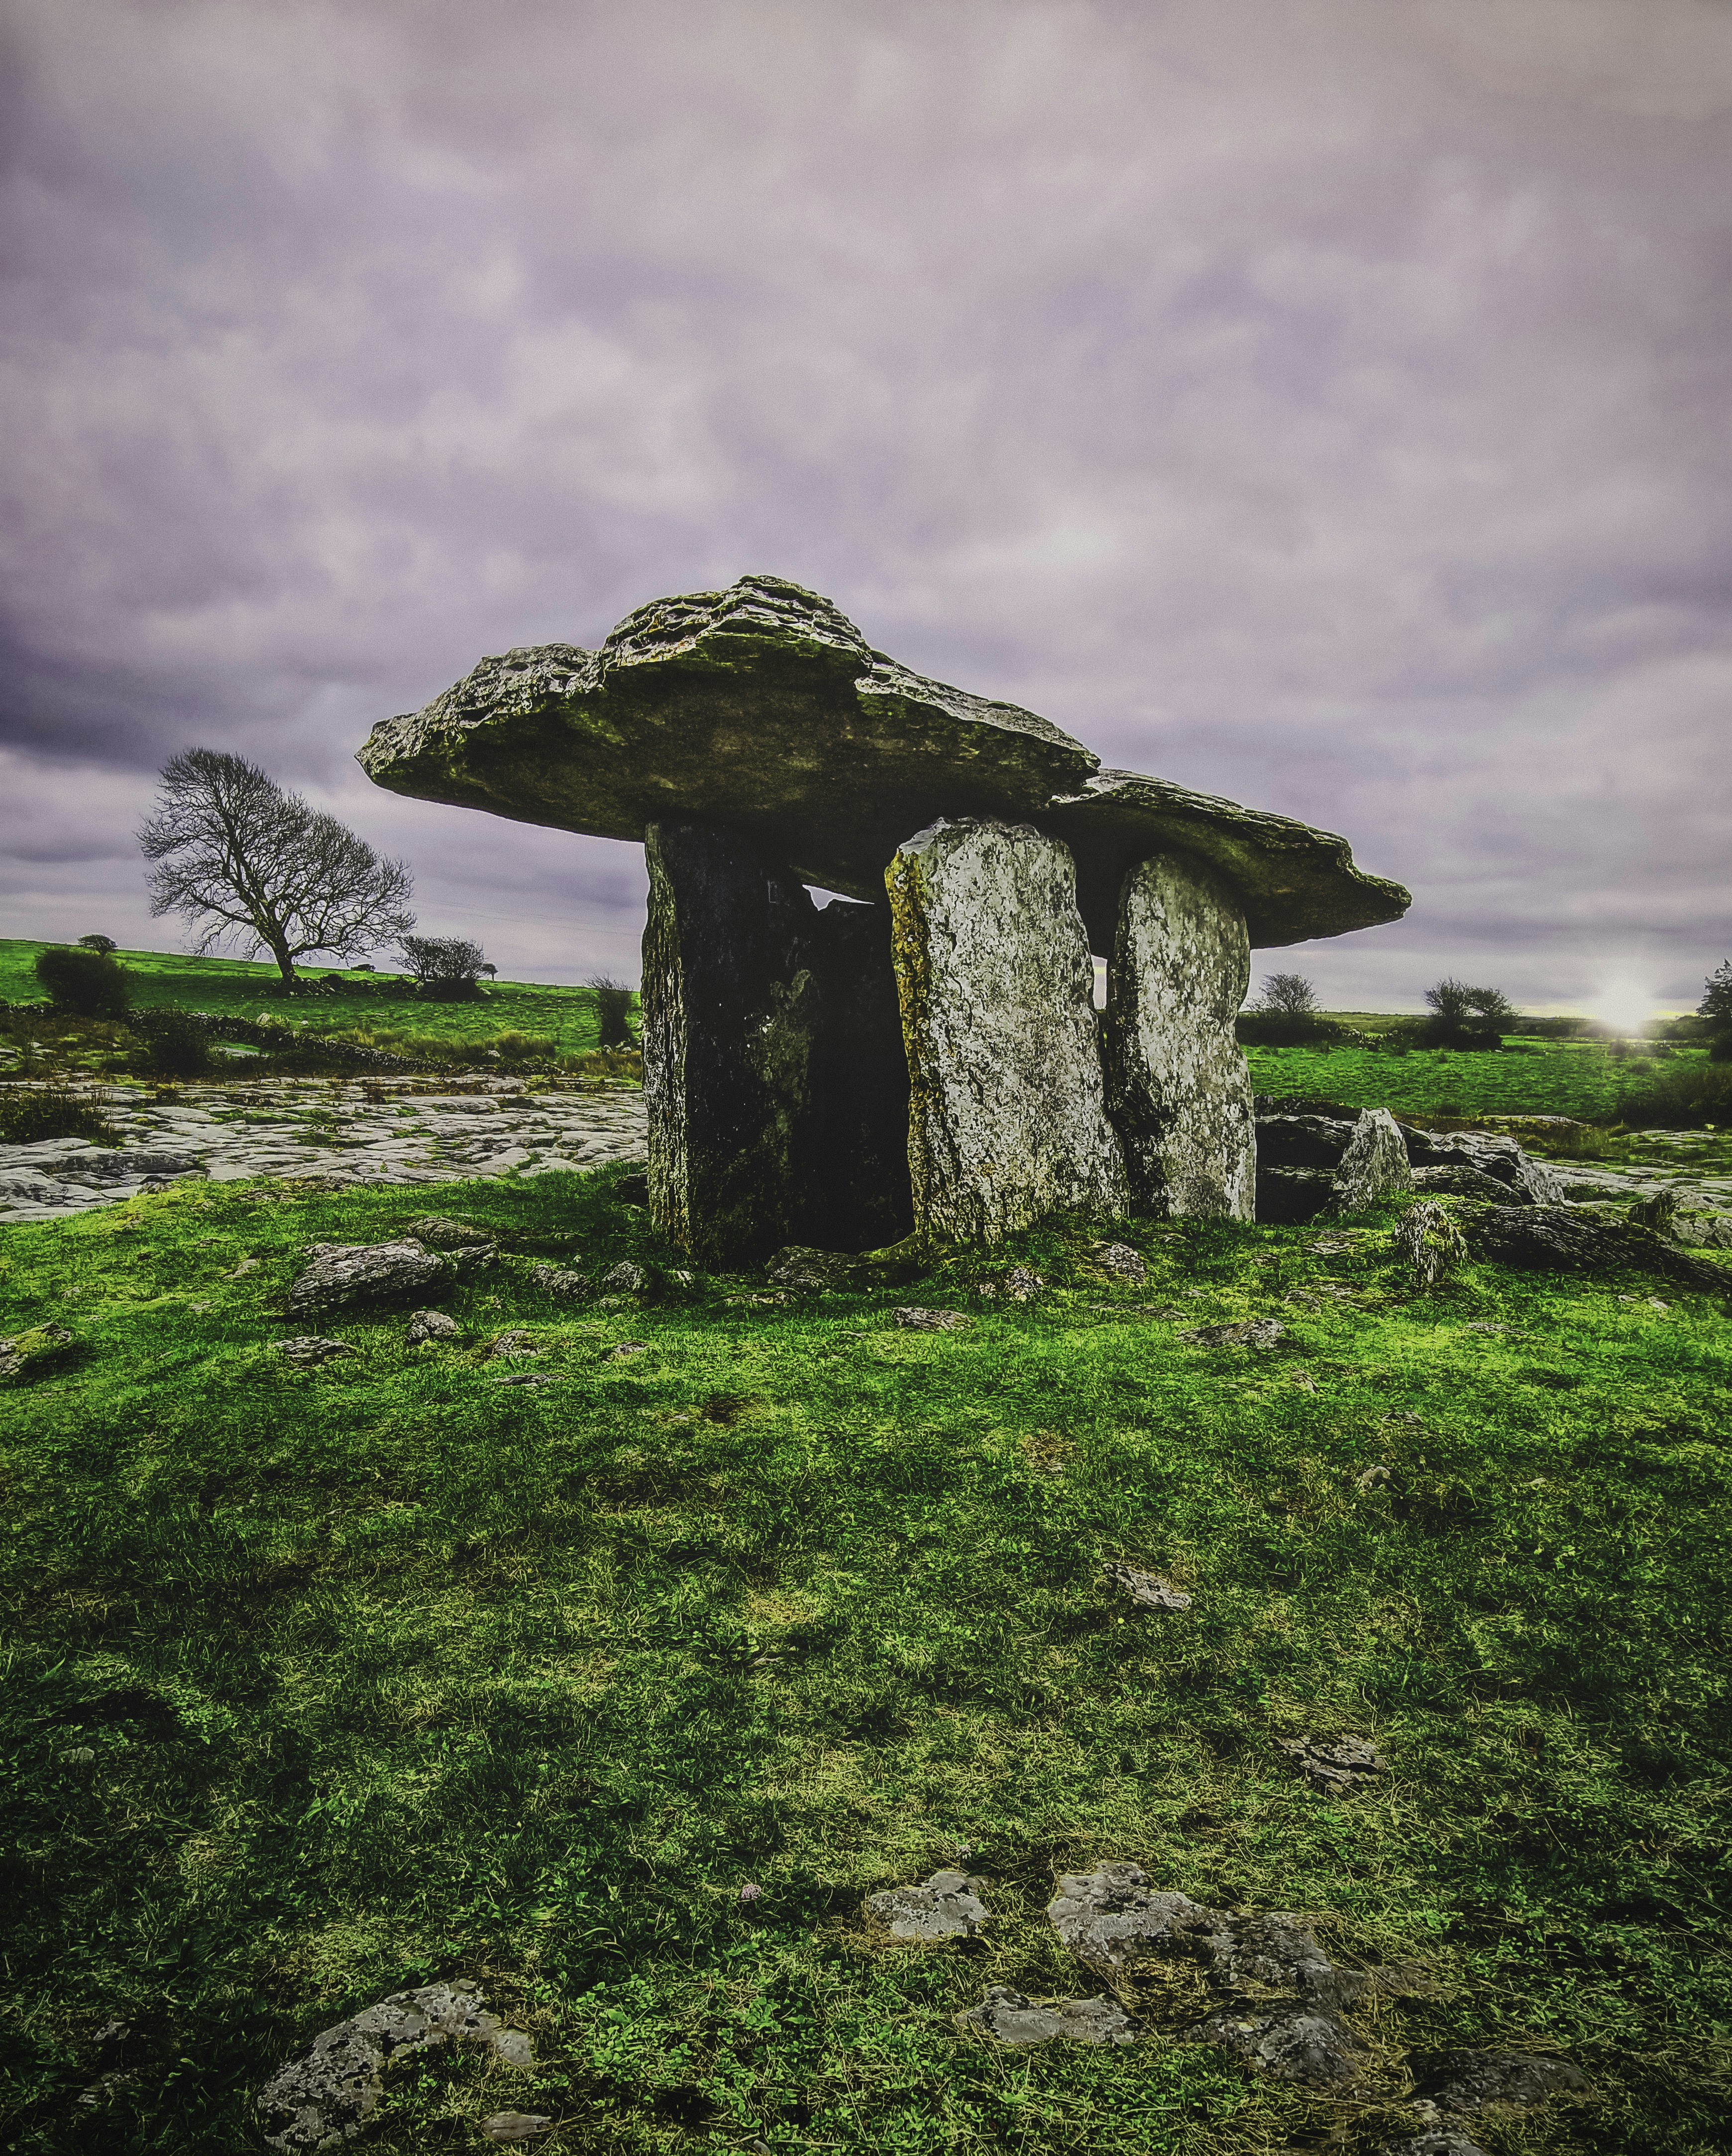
x=285, y=963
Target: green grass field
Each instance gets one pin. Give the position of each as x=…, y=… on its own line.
x=1583, y=1078
x=321, y=1685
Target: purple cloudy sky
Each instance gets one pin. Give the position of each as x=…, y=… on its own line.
x=1324, y=404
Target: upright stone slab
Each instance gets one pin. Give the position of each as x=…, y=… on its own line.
x=1007, y=1110
x=1178, y=1090
x=773, y=1079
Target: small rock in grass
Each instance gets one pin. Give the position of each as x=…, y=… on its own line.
x=625, y=1351
x=42, y=1345
x=1430, y=1242
x=552, y=1279
x=1122, y=1261
x=627, y=1277
x=1294, y=2042
x=514, y=1344
x=1147, y=1589
x=342, y=1275
x=1012, y=2019
x=1472, y=2080
x=914, y=1319
x=1441, y=2142
x=1335, y=1765
x=306, y=1351
x=1108, y=1916
x=430, y=1324
x=525, y=1377
x=514, y=2125
x=1255, y=1332
x=800, y=1266
x=948, y=1907
x=439, y=1232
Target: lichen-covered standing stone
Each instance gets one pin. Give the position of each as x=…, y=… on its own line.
x=1007, y=1113
x=1178, y=1088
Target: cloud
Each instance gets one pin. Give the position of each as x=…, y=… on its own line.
x=1321, y=406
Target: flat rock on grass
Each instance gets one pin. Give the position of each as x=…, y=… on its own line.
x=343, y=1276
x=431, y=1325
x=1294, y=2041
x=328, y=2095
x=1109, y=1916
x=509, y=2126
x=306, y=1351
x=1009, y=2018
x=948, y=1907
x=1122, y=1262
x=439, y=1232
x=1253, y=1333
x=800, y=1266
x=914, y=1319
x=25, y=1353
x=1336, y=1765
x=1474, y=2081
x=554, y=1281
x=1148, y=1589
x=1553, y=1238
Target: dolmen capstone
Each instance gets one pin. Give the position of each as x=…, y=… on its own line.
x=927, y=1059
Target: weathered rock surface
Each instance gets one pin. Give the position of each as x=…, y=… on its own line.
x=1252, y=1332
x=1337, y=1766
x=345, y=1275
x=1443, y=2142
x=1294, y=2041
x=1108, y=1917
x=1122, y=1262
x=1148, y=1589
x=1501, y=1158
x=1178, y=1086
x=773, y=1074
x=1009, y=2018
x=627, y=1277
x=328, y=2095
x=762, y=707
x=507, y=2126
x=1374, y=1166
x=1555, y=1238
x=438, y=1231
x=1431, y=1243
x=1474, y=2081
x=913, y=1318
x=1302, y=1157
x=1462, y=1181
x=557, y=1280
x=23, y=1354
x=1007, y=1113
x=947, y=1907
x=430, y=1324
x=307, y=1350
x=800, y=1266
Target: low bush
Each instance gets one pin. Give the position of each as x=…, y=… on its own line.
x=518, y=1047
x=613, y=1012
x=51, y=1111
x=177, y=1042
x=1683, y=1096
x=1277, y=1029
x=90, y=983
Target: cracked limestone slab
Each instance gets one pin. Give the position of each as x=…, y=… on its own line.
x=1294, y=2041
x=947, y=1907
x=1010, y=2018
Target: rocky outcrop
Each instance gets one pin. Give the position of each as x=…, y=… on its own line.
x=1294, y=2041
x=1309, y=1162
x=1431, y=1243
x=774, y=1081
x=1501, y=1158
x=1009, y=2018
x=1374, y=1166
x=1007, y=1114
x=1551, y=1239
x=1178, y=1087
x=346, y=1275
x=1475, y=2081
x=763, y=708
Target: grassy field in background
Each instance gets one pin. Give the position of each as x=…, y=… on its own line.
x=1587, y=1079
x=322, y=1685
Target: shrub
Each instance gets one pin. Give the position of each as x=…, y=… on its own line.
x=613, y=1011
x=102, y=945
x=88, y=982
x=518, y=1047
x=1274, y=1029
x=53, y=1112
x=177, y=1042
x=1289, y=995
x=447, y=968
x=1682, y=1096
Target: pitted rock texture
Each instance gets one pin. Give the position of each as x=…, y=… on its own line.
x=1178, y=1086
x=1147, y=1589
x=1107, y=1916
x=328, y=2095
x=773, y=1074
x=1374, y=1165
x=307, y=1350
x=345, y=1275
x=1251, y=1333
x=430, y=1324
x=1431, y=1243
x=556, y=1281
x=1009, y=2018
x=1337, y=1766
x=1475, y=2081
x=763, y=708
x=1122, y=1262
x=1462, y=1181
x=1295, y=2042
x=947, y=1907
x=912, y=1317
x=1554, y=1238
x=1007, y=1113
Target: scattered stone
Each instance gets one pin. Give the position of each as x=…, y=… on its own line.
x=25, y=1353
x=343, y=1276
x=306, y=1351
x=1018, y=1285
x=1008, y=1118
x=1147, y=1589
x=627, y=1277
x=1107, y=1916
x=1473, y=2081
x=802, y=1267
x=515, y=1343
x=624, y=1352
x=439, y=1232
x=1548, y=1238
x=1374, y=1165
x=567, y=1286
x=948, y=1907
x=1254, y=1332
x=431, y=1325
x=1441, y=2142
x=1178, y=1086
x=525, y=1377
x=328, y=2094
x=1122, y=1261
x=1009, y=2018
x=1295, y=2042
x=1337, y=1766
x=1430, y=1242
x=1464, y=1181
x=515, y=2125
x=913, y=1319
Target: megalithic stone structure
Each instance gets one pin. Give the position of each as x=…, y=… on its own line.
x=1178, y=1089
x=760, y=715
x=1007, y=1111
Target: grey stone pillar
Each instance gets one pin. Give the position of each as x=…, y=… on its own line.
x=1177, y=1086
x=773, y=1079
x=1007, y=1111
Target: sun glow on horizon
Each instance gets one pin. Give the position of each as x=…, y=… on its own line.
x=1624, y=1004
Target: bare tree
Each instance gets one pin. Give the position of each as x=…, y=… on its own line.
x=1456, y=1003
x=1291, y=994
x=239, y=857
x=449, y=966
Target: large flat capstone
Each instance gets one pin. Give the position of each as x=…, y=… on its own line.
x=763, y=707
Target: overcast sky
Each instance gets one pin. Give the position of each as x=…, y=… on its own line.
x=1322, y=403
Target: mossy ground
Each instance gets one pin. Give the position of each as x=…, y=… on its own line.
x=321, y=1685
